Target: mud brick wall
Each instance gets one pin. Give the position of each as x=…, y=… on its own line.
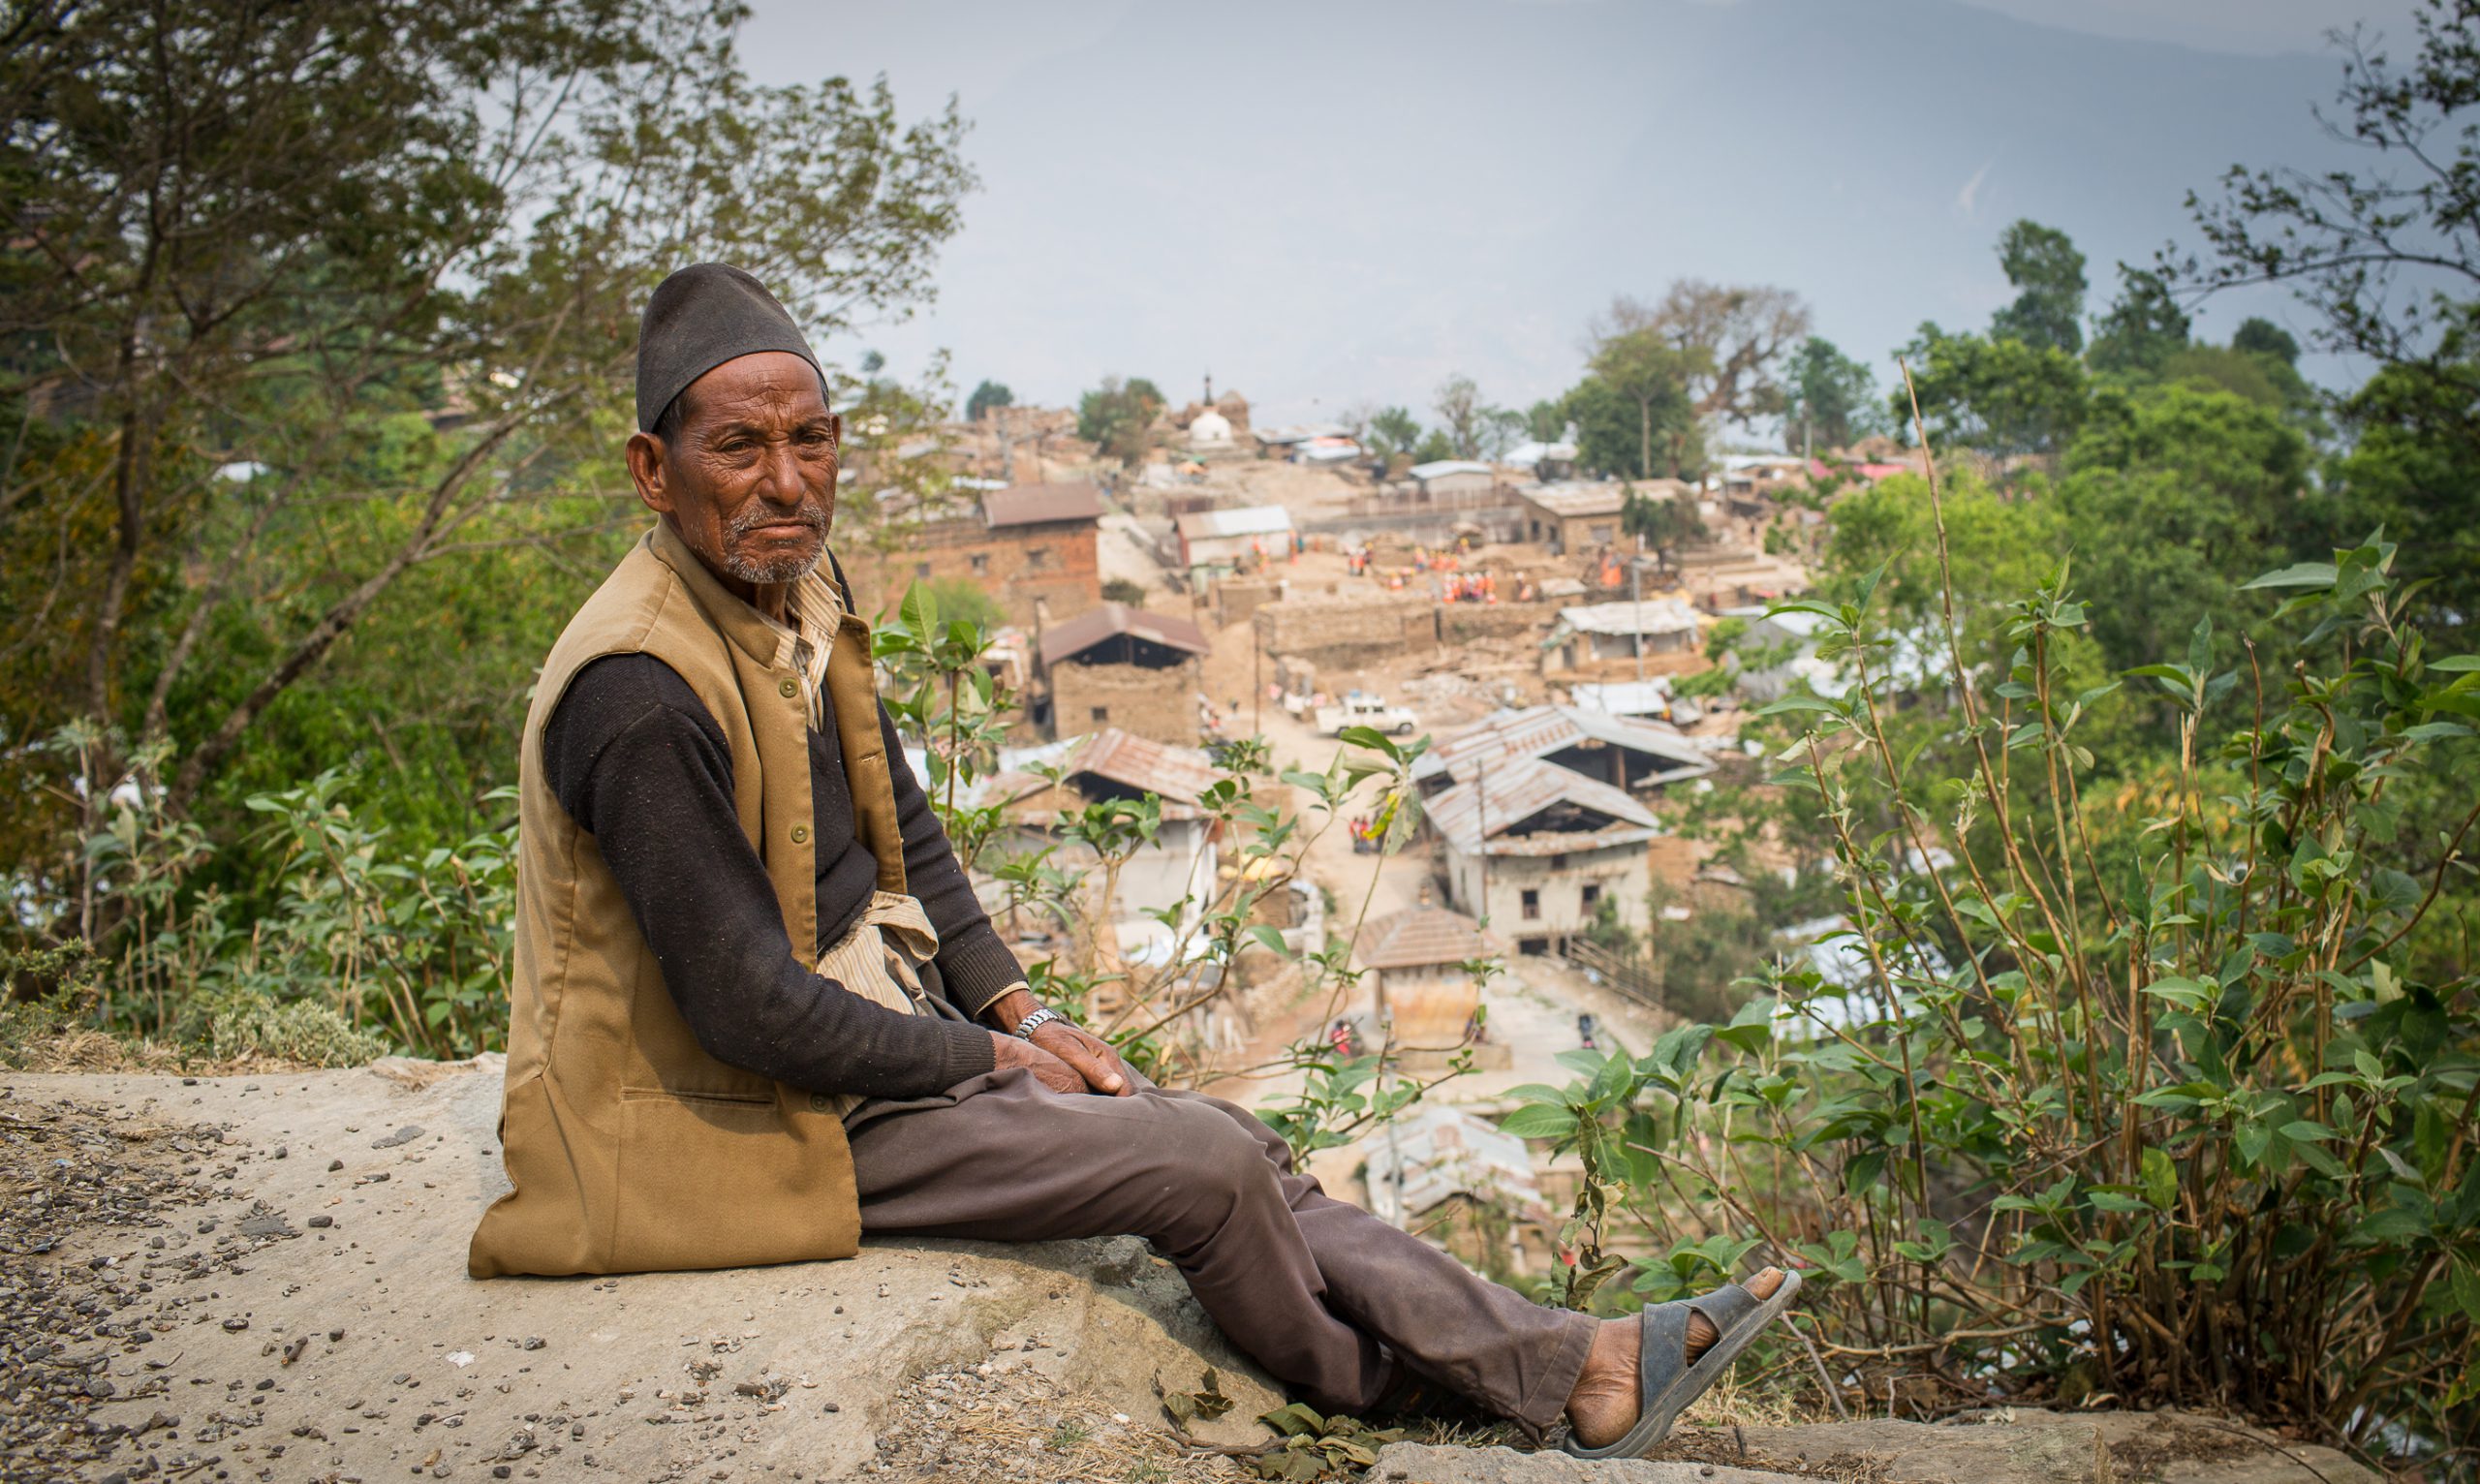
x=1464, y=622
x=1056, y=564
x=1161, y=704
x=1239, y=597
x=1348, y=631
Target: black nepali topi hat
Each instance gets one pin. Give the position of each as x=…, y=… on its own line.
x=701, y=317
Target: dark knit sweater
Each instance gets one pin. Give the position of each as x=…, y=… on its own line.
x=638, y=761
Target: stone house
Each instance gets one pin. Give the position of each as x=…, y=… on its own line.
x=1115, y=665
x=1571, y=519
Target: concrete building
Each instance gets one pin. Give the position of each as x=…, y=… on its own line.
x=1213, y=542
x=1592, y=636
x=1613, y=750
x=1539, y=851
x=1121, y=667
x=1450, y=477
x=1571, y=519
x=1025, y=545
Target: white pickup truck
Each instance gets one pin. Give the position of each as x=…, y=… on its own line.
x=1359, y=708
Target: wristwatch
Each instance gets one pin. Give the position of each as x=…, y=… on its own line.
x=1026, y=1027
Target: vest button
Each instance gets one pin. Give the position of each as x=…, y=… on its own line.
x=801, y=834
x=820, y=1102
x=790, y=689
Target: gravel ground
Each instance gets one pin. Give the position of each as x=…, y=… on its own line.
x=75, y=1328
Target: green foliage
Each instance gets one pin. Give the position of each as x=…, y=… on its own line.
x=2166, y=494
x=960, y=599
x=304, y=1031
x=1393, y=431
x=986, y=396
x=2048, y=274
x=2162, y=1091
x=1125, y=590
x=1434, y=447
x=2414, y=470
x=1998, y=395
x=1545, y=421
x=2144, y=327
x=1634, y=410
x=1832, y=399
x=1666, y=525
x=1115, y=417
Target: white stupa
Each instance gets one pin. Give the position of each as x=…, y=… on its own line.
x=1210, y=429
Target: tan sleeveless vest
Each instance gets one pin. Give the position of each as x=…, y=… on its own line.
x=631, y=1149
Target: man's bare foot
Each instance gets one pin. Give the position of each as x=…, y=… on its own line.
x=1607, y=1397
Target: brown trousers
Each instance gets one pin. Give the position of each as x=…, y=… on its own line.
x=1320, y=1291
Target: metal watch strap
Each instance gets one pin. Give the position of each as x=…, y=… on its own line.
x=1026, y=1027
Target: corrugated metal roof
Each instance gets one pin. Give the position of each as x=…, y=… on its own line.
x=1499, y=739
x=1421, y=936
x=1504, y=797
x=1623, y=698
x=1026, y=505
x=1659, y=615
x=1180, y=774
x=1248, y=520
x=1445, y=466
x=1435, y=1153
x=1111, y=620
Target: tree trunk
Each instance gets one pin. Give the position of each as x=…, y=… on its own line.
x=1644, y=438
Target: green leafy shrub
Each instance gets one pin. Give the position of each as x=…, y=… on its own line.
x=2163, y=1091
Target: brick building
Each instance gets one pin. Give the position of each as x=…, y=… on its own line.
x=1024, y=545
x=1120, y=667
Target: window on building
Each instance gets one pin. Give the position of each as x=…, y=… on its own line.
x=980, y=563
x=1532, y=903
x=1591, y=895
x=1102, y=713
x=1601, y=532
x=1036, y=558
x=1558, y=862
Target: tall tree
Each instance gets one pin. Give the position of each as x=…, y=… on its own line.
x=1998, y=396
x=384, y=258
x=989, y=394
x=1644, y=369
x=1392, y=430
x=1546, y=421
x=1831, y=399
x=2048, y=275
x=1115, y=415
x=2386, y=259
x=2144, y=327
x=1734, y=338
x=1458, y=405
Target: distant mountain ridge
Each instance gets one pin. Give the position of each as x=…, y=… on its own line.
x=1324, y=202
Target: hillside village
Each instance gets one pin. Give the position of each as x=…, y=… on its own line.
x=1578, y=693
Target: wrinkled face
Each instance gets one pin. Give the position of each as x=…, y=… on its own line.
x=748, y=476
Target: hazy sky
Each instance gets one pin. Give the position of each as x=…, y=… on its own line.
x=1334, y=201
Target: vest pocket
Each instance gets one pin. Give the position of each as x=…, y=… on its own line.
x=727, y=1180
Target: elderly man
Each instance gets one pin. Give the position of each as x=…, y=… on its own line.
x=757, y=1011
